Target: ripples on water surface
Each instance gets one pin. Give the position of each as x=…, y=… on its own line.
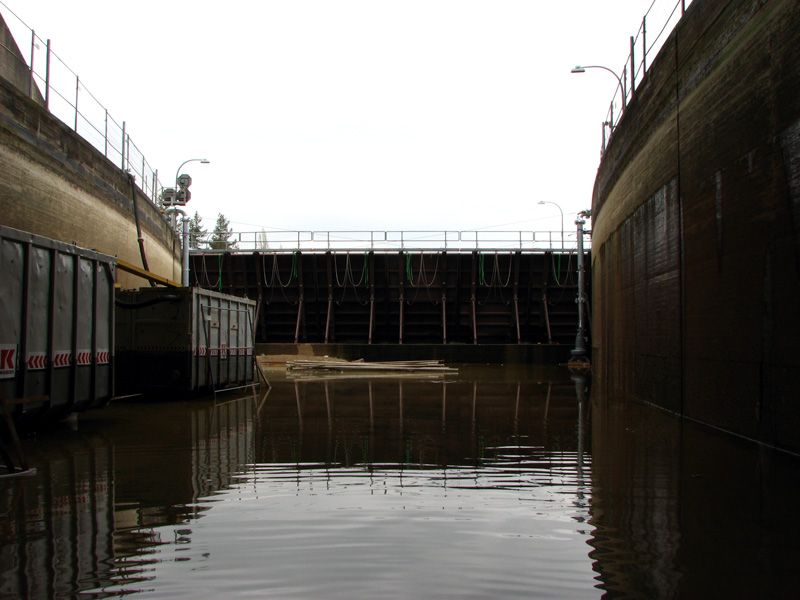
x=494, y=484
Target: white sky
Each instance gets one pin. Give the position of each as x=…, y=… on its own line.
x=356, y=114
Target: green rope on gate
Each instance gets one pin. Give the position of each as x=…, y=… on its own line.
x=556, y=270
x=219, y=270
x=409, y=270
x=366, y=269
x=481, y=269
x=294, y=265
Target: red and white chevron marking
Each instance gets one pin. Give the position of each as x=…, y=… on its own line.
x=84, y=357
x=200, y=351
x=223, y=352
x=62, y=359
x=37, y=361
x=8, y=360
x=102, y=357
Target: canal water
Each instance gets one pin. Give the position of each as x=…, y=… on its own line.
x=493, y=483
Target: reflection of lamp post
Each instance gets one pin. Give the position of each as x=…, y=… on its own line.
x=179, y=196
x=562, y=218
x=579, y=69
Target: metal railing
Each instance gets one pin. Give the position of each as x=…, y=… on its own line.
x=68, y=98
x=663, y=16
x=323, y=241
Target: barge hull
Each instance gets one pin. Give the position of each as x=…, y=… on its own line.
x=56, y=327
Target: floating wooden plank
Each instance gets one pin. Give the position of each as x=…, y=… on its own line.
x=424, y=366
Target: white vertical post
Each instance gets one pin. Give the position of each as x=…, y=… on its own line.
x=185, y=255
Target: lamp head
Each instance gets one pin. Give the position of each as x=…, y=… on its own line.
x=204, y=161
x=578, y=69
x=541, y=202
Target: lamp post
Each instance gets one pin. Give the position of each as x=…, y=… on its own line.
x=580, y=69
x=179, y=196
x=562, y=218
x=579, y=352
x=204, y=161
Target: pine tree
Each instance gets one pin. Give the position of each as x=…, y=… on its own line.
x=221, y=236
x=197, y=233
x=261, y=240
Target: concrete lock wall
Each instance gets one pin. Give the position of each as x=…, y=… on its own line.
x=55, y=184
x=696, y=231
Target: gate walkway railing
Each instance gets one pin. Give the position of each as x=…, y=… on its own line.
x=323, y=241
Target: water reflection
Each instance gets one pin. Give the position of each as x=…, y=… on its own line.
x=402, y=472
x=495, y=483
x=680, y=510
x=56, y=530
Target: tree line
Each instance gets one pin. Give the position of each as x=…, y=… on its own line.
x=220, y=238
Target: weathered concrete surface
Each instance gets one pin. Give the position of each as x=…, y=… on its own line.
x=55, y=184
x=697, y=225
x=13, y=66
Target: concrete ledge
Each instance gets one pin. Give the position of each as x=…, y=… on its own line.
x=551, y=354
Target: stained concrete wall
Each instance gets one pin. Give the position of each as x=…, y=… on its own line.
x=54, y=183
x=13, y=66
x=696, y=241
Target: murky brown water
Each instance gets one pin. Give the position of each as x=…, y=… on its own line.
x=495, y=483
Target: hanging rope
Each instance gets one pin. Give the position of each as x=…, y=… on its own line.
x=422, y=278
x=349, y=277
x=496, y=280
x=219, y=270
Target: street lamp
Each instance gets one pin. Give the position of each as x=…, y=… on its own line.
x=562, y=218
x=580, y=69
x=204, y=161
x=179, y=196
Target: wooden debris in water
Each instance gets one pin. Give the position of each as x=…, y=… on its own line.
x=402, y=366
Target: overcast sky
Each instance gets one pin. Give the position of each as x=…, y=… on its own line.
x=356, y=114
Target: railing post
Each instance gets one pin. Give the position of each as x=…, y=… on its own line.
x=624, y=82
x=77, y=88
x=603, y=148
x=633, y=68
x=644, y=46
x=122, y=166
x=47, y=79
x=33, y=54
